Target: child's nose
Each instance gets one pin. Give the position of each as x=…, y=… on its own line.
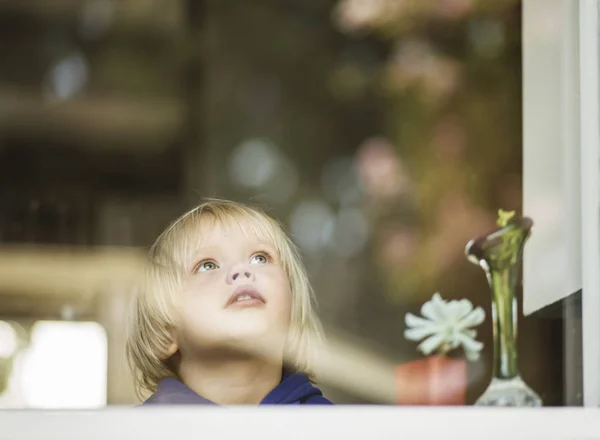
x=246, y=274
x=241, y=274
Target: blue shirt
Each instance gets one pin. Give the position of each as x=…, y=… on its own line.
x=294, y=388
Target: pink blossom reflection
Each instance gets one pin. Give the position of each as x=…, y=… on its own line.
x=356, y=15
x=411, y=60
x=416, y=64
x=454, y=9
x=397, y=247
x=381, y=171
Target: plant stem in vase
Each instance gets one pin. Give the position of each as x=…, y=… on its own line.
x=499, y=254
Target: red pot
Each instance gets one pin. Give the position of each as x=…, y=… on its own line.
x=434, y=380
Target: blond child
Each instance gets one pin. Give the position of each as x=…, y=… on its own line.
x=224, y=313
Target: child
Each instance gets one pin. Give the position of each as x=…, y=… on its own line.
x=224, y=313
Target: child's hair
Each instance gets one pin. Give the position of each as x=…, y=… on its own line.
x=151, y=317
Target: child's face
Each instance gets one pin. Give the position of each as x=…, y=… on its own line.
x=235, y=293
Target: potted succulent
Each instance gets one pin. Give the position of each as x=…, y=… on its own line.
x=438, y=379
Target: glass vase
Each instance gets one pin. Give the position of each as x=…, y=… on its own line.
x=499, y=254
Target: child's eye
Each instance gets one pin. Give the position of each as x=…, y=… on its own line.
x=261, y=258
x=206, y=266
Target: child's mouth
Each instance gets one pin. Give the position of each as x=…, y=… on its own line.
x=245, y=296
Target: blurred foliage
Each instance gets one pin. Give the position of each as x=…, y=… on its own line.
x=453, y=89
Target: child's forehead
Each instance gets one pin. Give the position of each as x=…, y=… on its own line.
x=210, y=230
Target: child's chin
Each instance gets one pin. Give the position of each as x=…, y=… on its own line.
x=248, y=330
x=257, y=340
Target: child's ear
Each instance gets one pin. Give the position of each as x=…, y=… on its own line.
x=170, y=351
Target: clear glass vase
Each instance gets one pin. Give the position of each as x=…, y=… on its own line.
x=499, y=254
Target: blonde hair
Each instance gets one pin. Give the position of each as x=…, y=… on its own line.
x=151, y=317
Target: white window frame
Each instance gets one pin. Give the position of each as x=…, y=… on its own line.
x=561, y=164
x=589, y=55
